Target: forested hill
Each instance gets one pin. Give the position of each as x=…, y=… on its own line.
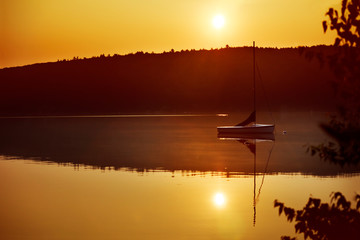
x=174, y=82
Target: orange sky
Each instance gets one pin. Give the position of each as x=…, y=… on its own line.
x=47, y=30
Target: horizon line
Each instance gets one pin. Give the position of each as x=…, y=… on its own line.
x=171, y=51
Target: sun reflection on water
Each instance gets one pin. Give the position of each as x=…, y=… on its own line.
x=219, y=200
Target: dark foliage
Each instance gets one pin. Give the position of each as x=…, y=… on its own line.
x=344, y=127
x=346, y=150
x=324, y=221
x=347, y=25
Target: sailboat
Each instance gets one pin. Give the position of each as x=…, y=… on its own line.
x=249, y=125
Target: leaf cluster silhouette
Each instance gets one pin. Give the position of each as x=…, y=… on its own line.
x=317, y=220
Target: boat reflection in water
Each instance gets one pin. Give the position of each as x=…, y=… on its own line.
x=247, y=136
x=250, y=140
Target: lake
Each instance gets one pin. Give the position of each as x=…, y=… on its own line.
x=159, y=177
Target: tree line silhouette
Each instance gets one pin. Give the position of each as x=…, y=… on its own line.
x=182, y=81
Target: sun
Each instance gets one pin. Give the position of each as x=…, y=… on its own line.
x=218, y=21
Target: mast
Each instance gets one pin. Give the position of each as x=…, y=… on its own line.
x=254, y=220
x=254, y=80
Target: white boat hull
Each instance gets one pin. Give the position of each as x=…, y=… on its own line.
x=251, y=129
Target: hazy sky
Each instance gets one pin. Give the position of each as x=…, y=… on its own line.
x=47, y=30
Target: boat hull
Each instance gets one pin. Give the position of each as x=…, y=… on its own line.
x=252, y=129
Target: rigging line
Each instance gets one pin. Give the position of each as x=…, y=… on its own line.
x=263, y=178
x=263, y=89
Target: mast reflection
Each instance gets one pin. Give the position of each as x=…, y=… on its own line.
x=250, y=141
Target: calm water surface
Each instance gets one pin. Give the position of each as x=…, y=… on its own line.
x=159, y=177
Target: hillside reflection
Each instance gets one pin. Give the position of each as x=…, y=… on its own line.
x=186, y=144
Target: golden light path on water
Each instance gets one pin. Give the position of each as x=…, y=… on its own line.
x=64, y=202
